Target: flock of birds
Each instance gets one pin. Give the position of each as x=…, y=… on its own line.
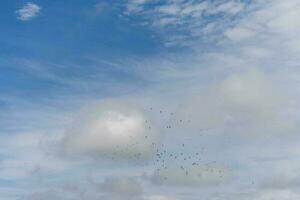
x=162, y=157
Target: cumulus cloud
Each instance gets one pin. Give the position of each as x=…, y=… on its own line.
x=28, y=11
x=247, y=100
x=112, y=128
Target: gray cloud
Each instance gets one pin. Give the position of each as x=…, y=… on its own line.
x=121, y=186
x=285, y=181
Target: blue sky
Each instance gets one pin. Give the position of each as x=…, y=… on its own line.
x=46, y=40
x=149, y=100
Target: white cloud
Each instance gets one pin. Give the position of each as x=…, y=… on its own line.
x=239, y=34
x=187, y=17
x=169, y=9
x=111, y=127
x=282, y=21
x=135, y=6
x=26, y=156
x=28, y=11
x=248, y=101
x=229, y=7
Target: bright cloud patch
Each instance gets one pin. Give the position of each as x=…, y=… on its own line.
x=28, y=12
x=243, y=101
x=111, y=128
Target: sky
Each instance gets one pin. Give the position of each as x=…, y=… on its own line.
x=149, y=100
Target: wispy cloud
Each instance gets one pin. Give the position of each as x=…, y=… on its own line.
x=28, y=11
x=186, y=21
